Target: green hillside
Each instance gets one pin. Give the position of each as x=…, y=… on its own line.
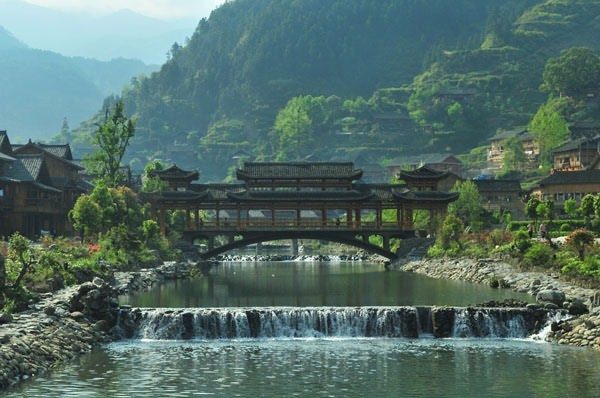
x=373, y=80
x=39, y=88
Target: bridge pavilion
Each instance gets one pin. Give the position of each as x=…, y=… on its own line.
x=323, y=200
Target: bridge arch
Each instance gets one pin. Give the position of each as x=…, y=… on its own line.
x=249, y=239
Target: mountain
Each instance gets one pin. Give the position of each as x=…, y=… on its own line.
x=123, y=34
x=39, y=88
x=362, y=80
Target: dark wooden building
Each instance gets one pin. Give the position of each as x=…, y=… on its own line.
x=38, y=186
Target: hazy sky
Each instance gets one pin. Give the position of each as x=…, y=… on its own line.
x=163, y=9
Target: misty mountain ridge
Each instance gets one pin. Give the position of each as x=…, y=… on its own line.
x=124, y=34
x=39, y=88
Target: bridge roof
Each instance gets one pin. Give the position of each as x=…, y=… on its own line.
x=427, y=196
x=294, y=196
x=298, y=170
x=422, y=173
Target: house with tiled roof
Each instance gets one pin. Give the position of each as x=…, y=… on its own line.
x=39, y=184
x=495, y=154
x=562, y=185
x=502, y=194
x=576, y=154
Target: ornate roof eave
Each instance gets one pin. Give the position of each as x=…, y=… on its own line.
x=245, y=197
x=243, y=176
x=174, y=172
x=424, y=196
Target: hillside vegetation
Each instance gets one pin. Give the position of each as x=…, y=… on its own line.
x=361, y=80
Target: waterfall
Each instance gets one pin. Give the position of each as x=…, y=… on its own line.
x=318, y=322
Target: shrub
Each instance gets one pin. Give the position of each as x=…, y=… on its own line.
x=538, y=255
x=565, y=227
x=521, y=242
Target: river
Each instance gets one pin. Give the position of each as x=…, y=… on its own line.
x=337, y=364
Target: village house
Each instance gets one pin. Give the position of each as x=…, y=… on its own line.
x=39, y=184
x=501, y=195
x=495, y=155
x=562, y=185
x=576, y=154
x=435, y=161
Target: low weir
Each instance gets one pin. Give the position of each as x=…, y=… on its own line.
x=294, y=322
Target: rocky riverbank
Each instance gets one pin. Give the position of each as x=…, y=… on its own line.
x=70, y=322
x=583, y=329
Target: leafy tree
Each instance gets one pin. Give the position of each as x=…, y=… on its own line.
x=531, y=208
x=570, y=207
x=86, y=216
x=468, y=205
x=514, y=157
x=579, y=239
x=586, y=207
x=545, y=209
x=20, y=250
x=451, y=230
x=151, y=183
x=521, y=242
x=550, y=130
x=112, y=139
x=574, y=73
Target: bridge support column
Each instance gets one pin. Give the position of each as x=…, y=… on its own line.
x=386, y=243
x=230, y=239
x=294, y=247
x=211, y=243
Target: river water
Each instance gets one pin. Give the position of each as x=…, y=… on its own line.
x=319, y=365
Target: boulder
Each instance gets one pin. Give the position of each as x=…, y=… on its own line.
x=5, y=318
x=577, y=307
x=553, y=296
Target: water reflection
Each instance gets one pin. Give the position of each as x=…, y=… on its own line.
x=314, y=284
x=327, y=367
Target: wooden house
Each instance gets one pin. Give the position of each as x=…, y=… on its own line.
x=39, y=185
x=576, y=154
x=495, y=155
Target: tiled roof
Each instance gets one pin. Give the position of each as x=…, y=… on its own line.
x=521, y=133
x=578, y=143
x=33, y=164
x=176, y=172
x=423, y=159
x=572, y=177
x=61, y=150
x=423, y=172
x=498, y=185
x=298, y=170
x=288, y=196
x=24, y=168
x=6, y=158
x=428, y=196
x=5, y=145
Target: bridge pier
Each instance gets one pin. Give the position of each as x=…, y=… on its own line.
x=386, y=242
x=294, y=247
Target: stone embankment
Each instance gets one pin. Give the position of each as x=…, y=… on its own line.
x=70, y=322
x=582, y=329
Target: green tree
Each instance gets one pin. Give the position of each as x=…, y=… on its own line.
x=587, y=208
x=575, y=73
x=451, y=230
x=514, y=158
x=112, y=138
x=86, y=216
x=545, y=210
x=468, y=205
x=550, y=130
x=2, y=280
x=152, y=183
x=579, y=239
x=531, y=208
x=570, y=207
x=20, y=251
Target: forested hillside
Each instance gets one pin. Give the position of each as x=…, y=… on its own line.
x=39, y=88
x=366, y=80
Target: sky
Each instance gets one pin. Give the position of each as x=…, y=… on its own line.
x=162, y=9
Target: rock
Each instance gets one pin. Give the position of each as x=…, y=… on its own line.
x=77, y=315
x=533, y=306
x=553, y=296
x=577, y=307
x=442, y=320
x=50, y=310
x=5, y=318
x=98, y=282
x=550, y=306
